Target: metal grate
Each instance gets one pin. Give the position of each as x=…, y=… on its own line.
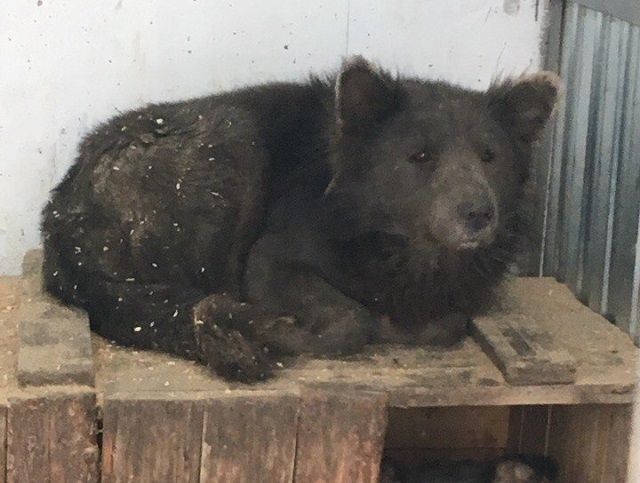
x=592, y=200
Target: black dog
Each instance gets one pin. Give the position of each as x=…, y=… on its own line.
x=285, y=218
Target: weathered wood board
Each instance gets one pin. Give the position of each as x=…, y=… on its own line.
x=420, y=377
x=340, y=436
x=3, y=443
x=591, y=442
x=54, y=341
x=55, y=346
x=49, y=433
x=249, y=437
x=51, y=437
x=152, y=439
x=525, y=353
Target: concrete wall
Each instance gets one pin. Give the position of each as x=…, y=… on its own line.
x=65, y=65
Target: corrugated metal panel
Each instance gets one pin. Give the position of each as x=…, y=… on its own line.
x=555, y=183
x=603, y=156
x=627, y=199
x=572, y=253
x=592, y=213
x=627, y=10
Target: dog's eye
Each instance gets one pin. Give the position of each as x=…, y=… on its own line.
x=419, y=157
x=487, y=155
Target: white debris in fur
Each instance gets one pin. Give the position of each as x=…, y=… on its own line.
x=201, y=269
x=154, y=265
x=77, y=250
x=159, y=121
x=55, y=274
x=137, y=329
x=198, y=322
x=130, y=279
x=152, y=324
x=116, y=168
x=212, y=159
x=178, y=185
x=175, y=314
x=105, y=248
x=120, y=299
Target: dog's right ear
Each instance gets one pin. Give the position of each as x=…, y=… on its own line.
x=365, y=96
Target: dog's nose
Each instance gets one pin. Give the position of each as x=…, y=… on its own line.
x=476, y=215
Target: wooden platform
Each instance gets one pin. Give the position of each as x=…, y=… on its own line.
x=166, y=419
x=462, y=376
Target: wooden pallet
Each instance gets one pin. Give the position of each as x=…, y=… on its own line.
x=542, y=374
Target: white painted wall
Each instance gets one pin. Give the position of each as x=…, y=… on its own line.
x=66, y=65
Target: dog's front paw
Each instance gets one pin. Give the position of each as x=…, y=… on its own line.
x=226, y=350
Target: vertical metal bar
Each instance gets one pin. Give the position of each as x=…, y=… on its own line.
x=621, y=30
x=561, y=126
x=599, y=161
x=634, y=322
x=627, y=201
x=542, y=167
x=575, y=155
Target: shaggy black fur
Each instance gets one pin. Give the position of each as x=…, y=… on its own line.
x=286, y=218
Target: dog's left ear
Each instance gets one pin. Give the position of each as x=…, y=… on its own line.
x=525, y=105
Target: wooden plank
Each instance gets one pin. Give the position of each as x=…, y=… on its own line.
x=340, y=436
x=249, y=438
x=634, y=447
x=3, y=443
x=54, y=341
x=420, y=377
x=525, y=354
x=51, y=437
x=591, y=442
x=54, y=345
x=151, y=439
x=32, y=274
